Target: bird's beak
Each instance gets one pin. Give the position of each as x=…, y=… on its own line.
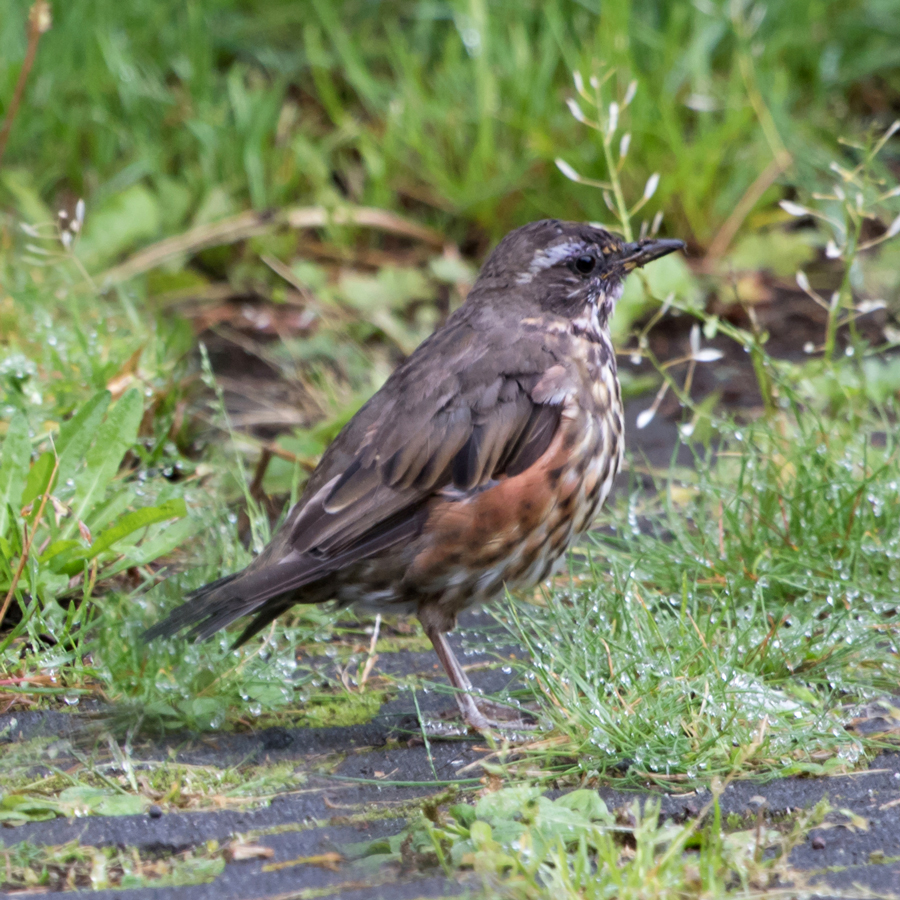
x=641, y=252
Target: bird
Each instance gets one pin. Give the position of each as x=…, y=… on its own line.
x=473, y=469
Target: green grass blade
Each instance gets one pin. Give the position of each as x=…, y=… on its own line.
x=75, y=436
x=39, y=477
x=140, y=518
x=13, y=467
x=102, y=461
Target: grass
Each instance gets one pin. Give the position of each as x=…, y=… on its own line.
x=184, y=115
x=76, y=866
x=737, y=616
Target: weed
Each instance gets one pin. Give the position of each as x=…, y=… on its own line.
x=516, y=842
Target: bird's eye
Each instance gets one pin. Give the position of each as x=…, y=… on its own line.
x=585, y=264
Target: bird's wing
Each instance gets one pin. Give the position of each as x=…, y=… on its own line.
x=437, y=428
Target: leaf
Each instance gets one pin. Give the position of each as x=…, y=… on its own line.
x=160, y=545
x=505, y=803
x=589, y=803
x=668, y=275
x=59, y=547
x=16, y=808
x=102, y=461
x=131, y=522
x=38, y=481
x=76, y=435
x=14, y=458
x=778, y=251
x=83, y=799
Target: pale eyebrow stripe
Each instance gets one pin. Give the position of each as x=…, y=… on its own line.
x=549, y=256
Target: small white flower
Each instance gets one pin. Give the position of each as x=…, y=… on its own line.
x=651, y=185
x=695, y=339
x=893, y=228
x=706, y=354
x=567, y=170
x=629, y=93
x=793, y=209
x=645, y=418
x=803, y=281
x=832, y=251
x=613, y=118
x=624, y=144
x=579, y=81
x=701, y=103
x=575, y=109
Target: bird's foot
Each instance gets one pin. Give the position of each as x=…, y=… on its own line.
x=484, y=715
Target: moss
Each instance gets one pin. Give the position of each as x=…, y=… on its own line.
x=343, y=709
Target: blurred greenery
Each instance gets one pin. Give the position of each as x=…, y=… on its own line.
x=169, y=113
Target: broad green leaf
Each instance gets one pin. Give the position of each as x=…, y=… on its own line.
x=38, y=481
x=140, y=518
x=15, y=808
x=58, y=547
x=589, y=803
x=65, y=557
x=161, y=544
x=506, y=803
x=108, y=510
x=102, y=461
x=76, y=435
x=14, y=458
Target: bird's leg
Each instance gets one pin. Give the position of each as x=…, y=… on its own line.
x=474, y=712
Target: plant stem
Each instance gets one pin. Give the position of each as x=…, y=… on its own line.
x=845, y=295
x=621, y=207
x=39, y=21
x=612, y=168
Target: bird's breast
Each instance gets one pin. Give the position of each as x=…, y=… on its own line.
x=513, y=532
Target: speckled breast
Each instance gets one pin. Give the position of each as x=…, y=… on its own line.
x=513, y=533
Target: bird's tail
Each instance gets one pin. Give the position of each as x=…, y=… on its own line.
x=204, y=611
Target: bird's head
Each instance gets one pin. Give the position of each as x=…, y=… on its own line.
x=571, y=268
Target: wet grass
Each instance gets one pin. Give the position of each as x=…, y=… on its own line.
x=738, y=616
